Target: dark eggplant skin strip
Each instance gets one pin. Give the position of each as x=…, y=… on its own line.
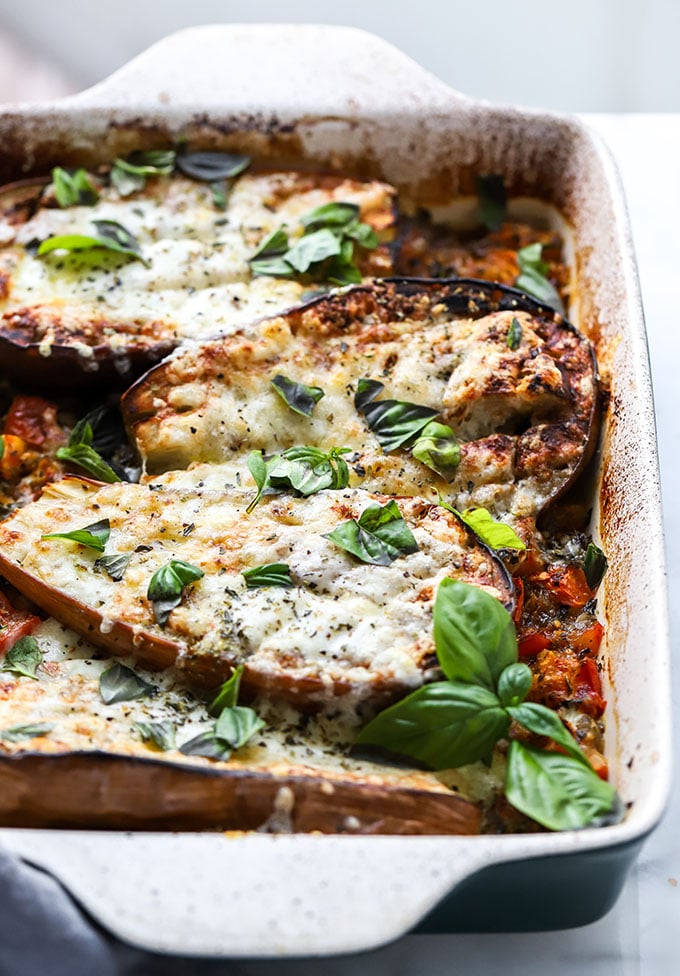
x=108, y=791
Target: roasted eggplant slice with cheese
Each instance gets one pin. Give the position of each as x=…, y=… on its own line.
x=323, y=596
x=511, y=386
x=179, y=268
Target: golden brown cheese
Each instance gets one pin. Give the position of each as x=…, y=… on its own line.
x=344, y=627
x=524, y=415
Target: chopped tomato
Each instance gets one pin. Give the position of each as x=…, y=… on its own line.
x=598, y=762
x=589, y=689
x=588, y=640
x=34, y=420
x=14, y=624
x=567, y=584
x=519, y=602
x=533, y=644
x=11, y=456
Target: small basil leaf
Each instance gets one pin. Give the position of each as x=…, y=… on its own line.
x=126, y=182
x=473, y=633
x=119, y=683
x=166, y=587
x=227, y=696
x=514, y=335
x=299, y=397
x=114, y=565
x=163, y=608
x=272, y=246
x=363, y=234
x=394, y=422
x=444, y=725
x=208, y=745
x=82, y=433
x=274, y=267
x=111, y=237
x=186, y=572
x=161, y=734
x=379, y=536
x=557, y=791
x=303, y=469
x=73, y=189
x=492, y=200
x=271, y=574
x=114, y=233
x=20, y=733
x=543, y=721
x=331, y=215
x=367, y=391
x=594, y=566
x=219, y=196
x=154, y=162
x=437, y=447
x=93, y=536
x=312, y=249
x=259, y=470
x=23, y=659
x=514, y=684
x=211, y=166
x=85, y=457
x=495, y=534
x=237, y=725
x=532, y=278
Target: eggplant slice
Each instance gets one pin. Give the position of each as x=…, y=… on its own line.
x=344, y=628
x=95, y=318
x=516, y=383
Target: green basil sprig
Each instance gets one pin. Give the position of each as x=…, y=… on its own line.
x=80, y=452
x=21, y=733
x=324, y=252
x=94, y=536
x=532, y=277
x=111, y=236
x=514, y=336
x=496, y=535
x=114, y=565
x=160, y=734
x=73, y=189
x=270, y=574
x=458, y=721
x=120, y=683
x=493, y=201
x=300, y=398
x=379, y=536
x=234, y=727
x=302, y=469
x=594, y=565
x=166, y=587
x=24, y=658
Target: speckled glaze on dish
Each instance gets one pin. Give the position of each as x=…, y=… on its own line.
x=342, y=99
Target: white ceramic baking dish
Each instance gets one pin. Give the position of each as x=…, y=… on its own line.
x=340, y=99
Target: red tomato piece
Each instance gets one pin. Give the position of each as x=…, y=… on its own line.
x=14, y=624
x=567, y=584
x=533, y=644
x=34, y=420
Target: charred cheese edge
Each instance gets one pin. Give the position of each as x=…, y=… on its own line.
x=346, y=627
x=198, y=282
x=524, y=416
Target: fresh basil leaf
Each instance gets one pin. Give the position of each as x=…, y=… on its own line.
x=111, y=237
x=85, y=457
x=594, y=566
x=363, y=234
x=114, y=565
x=152, y=162
x=379, y=536
x=274, y=245
x=394, y=422
x=166, y=587
x=543, y=721
x=299, y=397
x=473, y=633
x=557, y=791
x=438, y=448
x=343, y=272
x=274, y=267
x=532, y=278
x=23, y=659
x=227, y=696
x=496, y=535
x=20, y=733
x=514, y=684
x=94, y=536
x=207, y=744
x=514, y=335
x=119, y=683
x=312, y=249
x=331, y=215
x=493, y=202
x=161, y=734
x=219, y=196
x=125, y=182
x=237, y=725
x=271, y=574
x=302, y=469
x=73, y=189
x=445, y=725
x=210, y=166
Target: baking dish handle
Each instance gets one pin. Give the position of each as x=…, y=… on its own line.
x=310, y=69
